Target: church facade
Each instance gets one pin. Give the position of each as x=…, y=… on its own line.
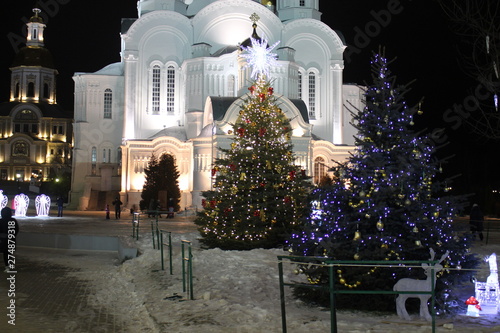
x=178, y=89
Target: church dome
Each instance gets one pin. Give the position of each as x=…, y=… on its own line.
x=34, y=56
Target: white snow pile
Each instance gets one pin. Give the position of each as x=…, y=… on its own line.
x=234, y=292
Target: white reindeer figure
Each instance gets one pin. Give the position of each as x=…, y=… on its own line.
x=408, y=284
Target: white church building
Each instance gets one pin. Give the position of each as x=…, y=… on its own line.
x=178, y=88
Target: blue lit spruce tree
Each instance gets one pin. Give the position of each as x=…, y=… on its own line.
x=258, y=192
x=387, y=203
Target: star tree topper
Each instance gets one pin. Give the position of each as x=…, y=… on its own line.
x=259, y=56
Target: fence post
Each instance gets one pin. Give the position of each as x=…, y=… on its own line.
x=169, y=249
x=135, y=226
x=153, y=234
x=282, y=295
x=188, y=259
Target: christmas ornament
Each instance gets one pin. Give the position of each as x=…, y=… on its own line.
x=357, y=235
x=380, y=225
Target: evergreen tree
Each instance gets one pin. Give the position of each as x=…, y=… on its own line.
x=161, y=175
x=387, y=204
x=259, y=192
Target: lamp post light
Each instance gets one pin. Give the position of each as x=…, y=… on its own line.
x=18, y=177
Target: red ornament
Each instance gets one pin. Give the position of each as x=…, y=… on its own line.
x=303, y=172
x=214, y=171
x=262, y=131
x=241, y=131
x=292, y=174
x=270, y=90
x=232, y=167
x=256, y=213
x=262, y=97
x=212, y=203
x=203, y=202
x=252, y=89
x=288, y=199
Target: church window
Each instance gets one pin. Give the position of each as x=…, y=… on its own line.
x=93, y=159
x=170, y=88
x=302, y=3
x=312, y=95
x=319, y=169
x=3, y=174
x=16, y=93
x=26, y=121
x=104, y=156
x=31, y=89
x=45, y=90
x=230, y=85
x=108, y=103
x=155, y=96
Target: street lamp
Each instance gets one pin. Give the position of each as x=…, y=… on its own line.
x=18, y=177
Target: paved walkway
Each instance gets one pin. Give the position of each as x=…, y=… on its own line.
x=49, y=295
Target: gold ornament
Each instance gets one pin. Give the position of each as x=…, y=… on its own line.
x=401, y=196
x=384, y=246
x=367, y=216
x=407, y=202
x=357, y=235
x=415, y=229
x=418, y=243
x=356, y=256
x=380, y=225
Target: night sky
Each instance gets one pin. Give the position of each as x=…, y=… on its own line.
x=83, y=36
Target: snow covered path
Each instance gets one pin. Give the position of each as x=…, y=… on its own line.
x=235, y=292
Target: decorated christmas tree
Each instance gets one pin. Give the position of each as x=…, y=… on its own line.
x=258, y=191
x=386, y=203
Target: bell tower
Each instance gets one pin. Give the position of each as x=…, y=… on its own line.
x=33, y=75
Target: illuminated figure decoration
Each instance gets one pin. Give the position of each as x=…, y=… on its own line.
x=407, y=284
x=487, y=292
x=21, y=201
x=42, y=205
x=3, y=200
x=473, y=307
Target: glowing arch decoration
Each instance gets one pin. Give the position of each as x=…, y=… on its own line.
x=3, y=200
x=42, y=205
x=21, y=202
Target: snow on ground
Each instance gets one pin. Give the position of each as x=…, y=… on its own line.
x=237, y=292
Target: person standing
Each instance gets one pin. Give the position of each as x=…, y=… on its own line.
x=107, y=212
x=60, y=206
x=476, y=221
x=117, y=203
x=8, y=226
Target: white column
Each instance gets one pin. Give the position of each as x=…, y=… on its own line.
x=337, y=69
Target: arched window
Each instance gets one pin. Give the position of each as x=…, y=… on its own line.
x=320, y=169
x=26, y=121
x=16, y=93
x=108, y=103
x=312, y=95
x=155, y=89
x=93, y=160
x=45, y=90
x=170, y=88
x=31, y=89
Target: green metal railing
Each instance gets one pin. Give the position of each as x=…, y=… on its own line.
x=155, y=233
x=187, y=269
x=330, y=264
x=169, y=246
x=135, y=226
